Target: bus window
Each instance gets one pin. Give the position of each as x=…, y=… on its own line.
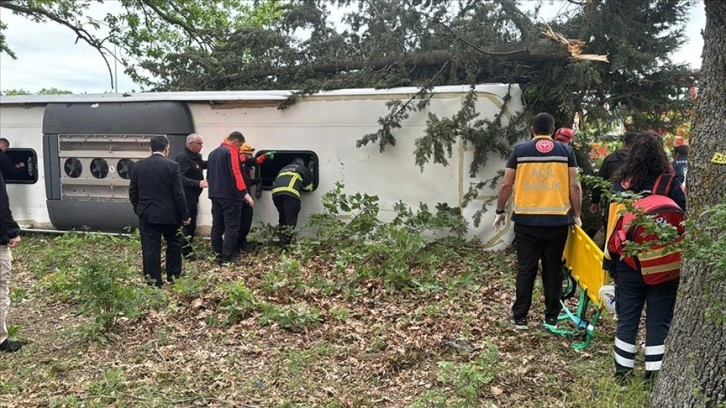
x=270, y=168
x=23, y=166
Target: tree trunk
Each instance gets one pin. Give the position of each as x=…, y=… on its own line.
x=694, y=367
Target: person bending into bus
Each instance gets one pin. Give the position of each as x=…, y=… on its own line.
x=250, y=172
x=9, y=238
x=192, y=168
x=286, y=190
x=228, y=192
x=157, y=194
x=543, y=175
x=7, y=167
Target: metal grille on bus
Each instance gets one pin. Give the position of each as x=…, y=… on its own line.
x=98, y=167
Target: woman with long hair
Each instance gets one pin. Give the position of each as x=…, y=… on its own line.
x=646, y=165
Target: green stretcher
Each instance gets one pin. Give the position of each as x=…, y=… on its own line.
x=583, y=269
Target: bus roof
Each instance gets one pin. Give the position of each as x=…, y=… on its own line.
x=204, y=96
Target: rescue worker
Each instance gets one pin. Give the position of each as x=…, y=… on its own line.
x=680, y=163
x=227, y=190
x=543, y=176
x=646, y=161
x=250, y=172
x=564, y=135
x=7, y=167
x=192, y=168
x=610, y=164
x=286, y=191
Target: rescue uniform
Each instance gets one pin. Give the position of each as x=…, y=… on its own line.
x=249, y=163
x=680, y=167
x=227, y=190
x=289, y=184
x=192, y=170
x=632, y=295
x=541, y=219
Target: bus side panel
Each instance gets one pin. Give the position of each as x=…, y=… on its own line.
x=21, y=125
x=330, y=128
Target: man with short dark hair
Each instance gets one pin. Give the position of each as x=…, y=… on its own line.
x=192, y=168
x=612, y=162
x=9, y=238
x=228, y=191
x=157, y=194
x=290, y=182
x=547, y=199
x=680, y=163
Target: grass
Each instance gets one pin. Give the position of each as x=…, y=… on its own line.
x=286, y=330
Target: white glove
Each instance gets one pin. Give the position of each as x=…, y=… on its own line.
x=498, y=222
x=578, y=221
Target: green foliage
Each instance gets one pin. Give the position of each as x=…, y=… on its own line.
x=294, y=317
x=285, y=275
x=239, y=302
x=367, y=247
x=468, y=382
x=190, y=286
x=104, y=287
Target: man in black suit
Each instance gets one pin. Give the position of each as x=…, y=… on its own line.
x=157, y=194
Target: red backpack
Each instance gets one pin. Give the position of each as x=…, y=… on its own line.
x=659, y=264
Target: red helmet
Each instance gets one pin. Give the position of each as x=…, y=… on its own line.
x=564, y=135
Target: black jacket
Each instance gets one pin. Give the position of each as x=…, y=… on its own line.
x=8, y=227
x=609, y=165
x=156, y=191
x=7, y=167
x=676, y=193
x=191, y=166
x=224, y=173
x=292, y=180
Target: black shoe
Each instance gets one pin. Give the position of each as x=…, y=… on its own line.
x=171, y=278
x=229, y=263
x=624, y=377
x=520, y=324
x=550, y=322
x=190, y=257
x=10, y=346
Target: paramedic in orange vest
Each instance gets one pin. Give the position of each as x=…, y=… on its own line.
x=542, y=174
x=646, y=161
x=286, y=190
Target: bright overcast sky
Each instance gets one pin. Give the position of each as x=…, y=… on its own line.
x=48, y=56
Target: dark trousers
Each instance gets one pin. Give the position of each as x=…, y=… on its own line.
x=151, y=249
x=534, y=244
x=632, y=295
x=288, y=208
x=245, y=225
x=190, y=230
x=225, y=227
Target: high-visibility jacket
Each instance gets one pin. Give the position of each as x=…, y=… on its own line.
x=292, y=180
x=542, y=182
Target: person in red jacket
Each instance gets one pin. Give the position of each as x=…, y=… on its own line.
x=228, y=192
x=9, y=238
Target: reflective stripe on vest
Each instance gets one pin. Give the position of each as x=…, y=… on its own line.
x=542, y=186
x=290, y=188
